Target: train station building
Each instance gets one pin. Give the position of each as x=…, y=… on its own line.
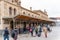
x=12, y=14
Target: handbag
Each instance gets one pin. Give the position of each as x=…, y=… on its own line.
x=30, y=30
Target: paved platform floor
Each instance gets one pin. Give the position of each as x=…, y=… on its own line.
x=54, y=35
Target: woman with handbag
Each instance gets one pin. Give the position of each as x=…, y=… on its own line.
x=45, y=30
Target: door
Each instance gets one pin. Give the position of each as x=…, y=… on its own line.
x=11, y=25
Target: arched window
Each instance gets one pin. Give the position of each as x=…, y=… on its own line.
x=32, y=15
x=14, y=11
x=23, y=12
x=29, y=14
x=10, y=10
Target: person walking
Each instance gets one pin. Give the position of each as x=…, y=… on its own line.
x=36, y=29
x=49, y=28
x=39, y=30
x=27, y=28
x=45, y=30
x=14, y=33
x=6, y=34
x=32, y=29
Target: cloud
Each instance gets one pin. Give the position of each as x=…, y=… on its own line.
x=52, y=6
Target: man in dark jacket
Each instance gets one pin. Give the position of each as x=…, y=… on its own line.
x=6, y=34
x=40, y=31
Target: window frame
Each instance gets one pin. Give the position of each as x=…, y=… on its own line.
x=10, y=10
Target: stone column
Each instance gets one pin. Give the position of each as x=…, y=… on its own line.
x=2, y=25
x=14, y=23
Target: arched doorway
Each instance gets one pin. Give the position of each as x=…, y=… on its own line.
x=11, y=25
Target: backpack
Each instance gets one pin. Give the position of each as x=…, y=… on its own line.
x=40, y=29
x=6, y=32
x=48, y=29
x=13, y=34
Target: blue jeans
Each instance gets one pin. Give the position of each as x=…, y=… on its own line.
x=6, y=37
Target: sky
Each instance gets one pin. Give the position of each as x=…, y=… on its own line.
x=51, y=6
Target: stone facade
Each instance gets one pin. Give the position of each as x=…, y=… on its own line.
x=9, y=5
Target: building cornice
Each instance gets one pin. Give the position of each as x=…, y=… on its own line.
x=40, y=11
x=29, y=10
